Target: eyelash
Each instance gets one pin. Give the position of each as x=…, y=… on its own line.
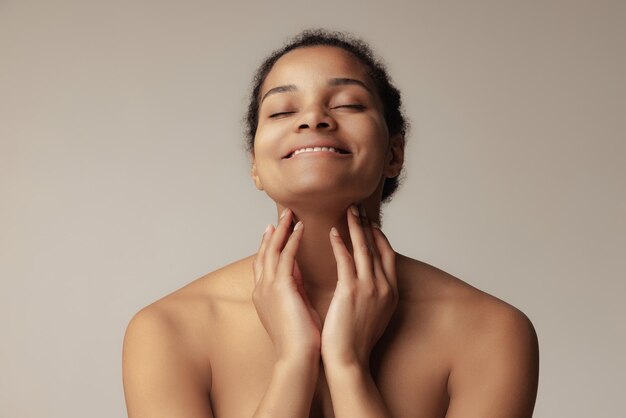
x=275, y=115
x=350, y=106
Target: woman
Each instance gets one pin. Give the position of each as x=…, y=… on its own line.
x=326, y=319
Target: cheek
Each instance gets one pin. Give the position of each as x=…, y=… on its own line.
x=375, y=125
x=377, y=139
x=262, y=148
x=267, y=138
x=265, y=154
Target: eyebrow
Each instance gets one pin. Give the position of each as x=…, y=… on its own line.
x=341, y=81
x=347, y=82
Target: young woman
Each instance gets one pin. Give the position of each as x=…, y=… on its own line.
x=326, y=319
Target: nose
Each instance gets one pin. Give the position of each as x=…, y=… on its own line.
x=316, y=117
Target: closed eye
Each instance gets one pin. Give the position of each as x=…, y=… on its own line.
x=351, y=106
x=279, y=114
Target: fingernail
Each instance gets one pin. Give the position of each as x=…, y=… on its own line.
x=354, y=210
x=282, y=215
x=267, y=229
x=334, y=231
x=298, y=225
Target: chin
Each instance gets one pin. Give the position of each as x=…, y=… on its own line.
x=318, y=195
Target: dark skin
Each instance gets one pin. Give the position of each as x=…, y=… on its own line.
x=326, y=319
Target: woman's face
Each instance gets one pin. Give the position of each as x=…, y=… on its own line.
x=321, y=131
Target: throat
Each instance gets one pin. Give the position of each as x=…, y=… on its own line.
x=315, y=253
x=318, y=269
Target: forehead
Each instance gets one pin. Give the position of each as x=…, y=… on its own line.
x=316, y=63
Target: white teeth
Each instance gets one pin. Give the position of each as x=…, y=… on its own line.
x=314, y=149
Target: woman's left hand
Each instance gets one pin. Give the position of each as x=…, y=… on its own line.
x=365, y=297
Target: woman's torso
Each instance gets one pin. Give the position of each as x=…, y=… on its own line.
x=410, y=364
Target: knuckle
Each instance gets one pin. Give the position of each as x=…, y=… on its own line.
x=385, y=291
x=272, y=251
x=388, y=294
x=284, y=256
x=369, y=290
x=346, y=257
x=348, y=291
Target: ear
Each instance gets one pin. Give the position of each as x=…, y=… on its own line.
x=395, y=156
x=255, y=175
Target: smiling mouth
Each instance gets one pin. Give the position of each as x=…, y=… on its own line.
x=317, y=149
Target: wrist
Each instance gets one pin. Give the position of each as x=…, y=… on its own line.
x=345, y=366
x=300, y=371
x=301, y=360
x=354, y=387
x=347, y=361
x=347, y=375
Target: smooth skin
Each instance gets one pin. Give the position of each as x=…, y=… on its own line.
x=326, y=319
x=363, y=302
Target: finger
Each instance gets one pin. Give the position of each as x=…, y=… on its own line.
x=297, y=276
x=258, y=259
x=345, y=262
x=388, y=257
x=277, y=241
x=360, y=249
x=287, y=260
x=371, y=244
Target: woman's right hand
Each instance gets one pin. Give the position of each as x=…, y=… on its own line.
x=279, y=297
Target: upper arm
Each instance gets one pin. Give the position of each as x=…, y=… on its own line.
x=160, y=378
x=497, y=372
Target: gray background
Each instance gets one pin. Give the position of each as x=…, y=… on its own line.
x=123, y=176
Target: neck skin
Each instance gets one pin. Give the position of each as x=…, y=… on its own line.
x=315, y=255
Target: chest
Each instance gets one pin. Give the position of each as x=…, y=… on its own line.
x=408, y=365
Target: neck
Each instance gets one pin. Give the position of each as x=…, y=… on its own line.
x=315, y=255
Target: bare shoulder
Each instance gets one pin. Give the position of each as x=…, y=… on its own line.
x=185, y=314
x=166, y=344
x=493, y=348
x=463, y=308
x=187, y=306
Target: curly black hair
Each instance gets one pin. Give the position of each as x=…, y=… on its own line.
x=388, y=94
